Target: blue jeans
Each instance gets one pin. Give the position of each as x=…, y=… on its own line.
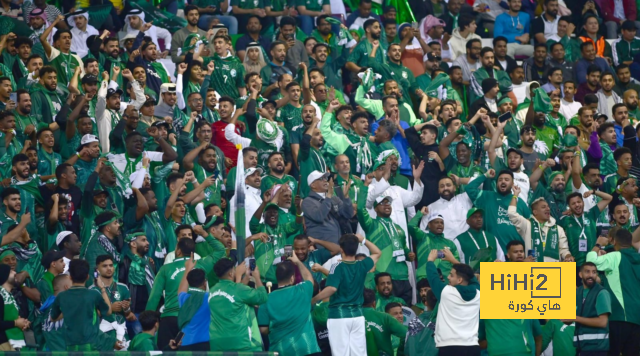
x=230, y=22
x=133, y=327
x=306, y=24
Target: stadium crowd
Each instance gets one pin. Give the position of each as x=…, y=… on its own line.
x=315, y=178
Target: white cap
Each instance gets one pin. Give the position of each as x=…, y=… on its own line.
x=382, y=198
x=88, y=138
x=61, y=236
x=315, y=175
x=252, y=170
x=166, y=87
x=434, y=216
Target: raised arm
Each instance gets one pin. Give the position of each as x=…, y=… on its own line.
x=45, y=35
x=494, y=143
x=142, y=208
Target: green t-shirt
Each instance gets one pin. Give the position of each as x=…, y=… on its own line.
x=117, y=292
x=547, y=140
x=509, y=337
x=581, y=233
x=81, y=321
x=269, y=254
x=290, y=115
x=288, y=316
x=603, y=301
x=142, y=342
x=383, y=327
x=237, y=328
x=561, y=335
x=248, y=4
x=320, y=256
x=348, y=278
x=312, y=5
x=381, y=301
x=228, y=75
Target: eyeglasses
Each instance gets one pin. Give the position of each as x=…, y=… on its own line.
x=196, y=100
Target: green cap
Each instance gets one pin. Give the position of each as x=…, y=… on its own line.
x=271, y=205
x=473, y=211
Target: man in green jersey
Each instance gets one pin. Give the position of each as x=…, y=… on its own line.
x=358, y=58
x=434, y=239
x=167, y=283
x=384, y=295
x=319, y=256
x=383, y=325
x=48, y=159
x=290, y=115
x=102, y=241
x=286, y=316
x=580, y=226
x=119, y=296
x=394, y=70
x=345, y=286
x=204, y=167
x=228, y=76
x=277, y=168
x=25, y=122
x=60, y=56
x=237, y=328
x=53, y=262
x=593, y=308
x=476, y=242
x=80, y=332
x=623, y=158
x=53, y=332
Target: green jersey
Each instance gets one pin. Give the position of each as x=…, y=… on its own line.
x=547, y=140
x=169, y=276
x=383, y=327
x=312, y=5
x=428, y=241
x=117, y=292
x=228, y=76
x=265, y=149
x=390, y=239
x=401, y=74
x=348, y=278
x=211, y=193
x=495, y=206
x=360, y=54
x=288, y=316
x=81, y=321
x=248, y=4
x=143, y=342
x=309, y=160
x=269, y=254
x=237, y=328
x=320, y=256
x=382, y=301
x=561, y=335
x=581, y=233
x=47, y=162
x=472, y=241
x=290, y=116
x=269, y=181
x=509, y=337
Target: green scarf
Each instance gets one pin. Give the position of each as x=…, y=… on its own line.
x=47, y=94
x=140, y=273
x=394, y=236
x=159, y=68
x=190, y=306
x=15, y=335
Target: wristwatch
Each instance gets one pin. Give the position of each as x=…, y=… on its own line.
x=599, y=246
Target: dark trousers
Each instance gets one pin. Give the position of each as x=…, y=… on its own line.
x=167, y=331
x=592, y=353
x=459, y=350
x=201, y=346
x=402, y=289
x=624, y=338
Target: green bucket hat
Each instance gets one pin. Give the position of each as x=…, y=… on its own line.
x=382, y=158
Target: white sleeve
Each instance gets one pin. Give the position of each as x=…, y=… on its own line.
x=378, y=188
x=231, y=136
x=165, y=35
x=154, y=156
x=139, y=180
x=411, y=198
x=500, y=253
x=180, y=97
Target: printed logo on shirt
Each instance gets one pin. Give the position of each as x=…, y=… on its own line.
x=222, y=294
x=405, y=75
x=374, y=325
x=233, y=71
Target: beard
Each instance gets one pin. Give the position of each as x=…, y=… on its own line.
x=632, y=106
x=375, y=36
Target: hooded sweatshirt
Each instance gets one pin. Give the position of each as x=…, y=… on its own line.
x=458, y=44
x=459, y=310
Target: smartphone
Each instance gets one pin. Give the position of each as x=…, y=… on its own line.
x=440, y=254
x=95, y=274
x=288, y=250
x=179, y=337
x=13, y=97
x=29, y=338
x=414, y=25
x=505, y=117
x=531, y=253
x=252, y=264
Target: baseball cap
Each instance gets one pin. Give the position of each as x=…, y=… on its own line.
x=97, y=192
x=271, y=205
x=160, y=123
x=167, y=87
x=434, y=216
x=473, y=211
x=252, y=170
x=382, y=198
x=50, y=257
x=315, y=175
x=111, y=92
x=516, y=151
x=89, y=79
x=88, y=138
x=61, y=236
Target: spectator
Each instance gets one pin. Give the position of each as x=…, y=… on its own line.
x=358, y=17
x=615, y=14
x=134, y=22
x=278, y=313
x=469, y=63
x=307, y=11
x=630, y=100
x=325, y=208
x=589, y=86
x=68, y=243
x=488, y=71
x=194, y=311
x=517, y=35
x=591, y=35
x=451, y=17
x=488, y=11
x=559, y=60
x=384, y=288
x=625, y=48
x=420, y=335
x=622, y=325
x=413, y=49
x=625, y=81
x=472, y=244
x=253, y=35
x=144, y=341
x=502, y=60
x=385, y=327
x=137, y=272
x=568, y=106
x=537, y=66
x=346, y=323
x=570, y=44
x=460, y=301
x=359, y=56
x=607, y=98
x=295, y=49
x=546, y=25
x=462, y=34
x=554, y=80
x=520, y=86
